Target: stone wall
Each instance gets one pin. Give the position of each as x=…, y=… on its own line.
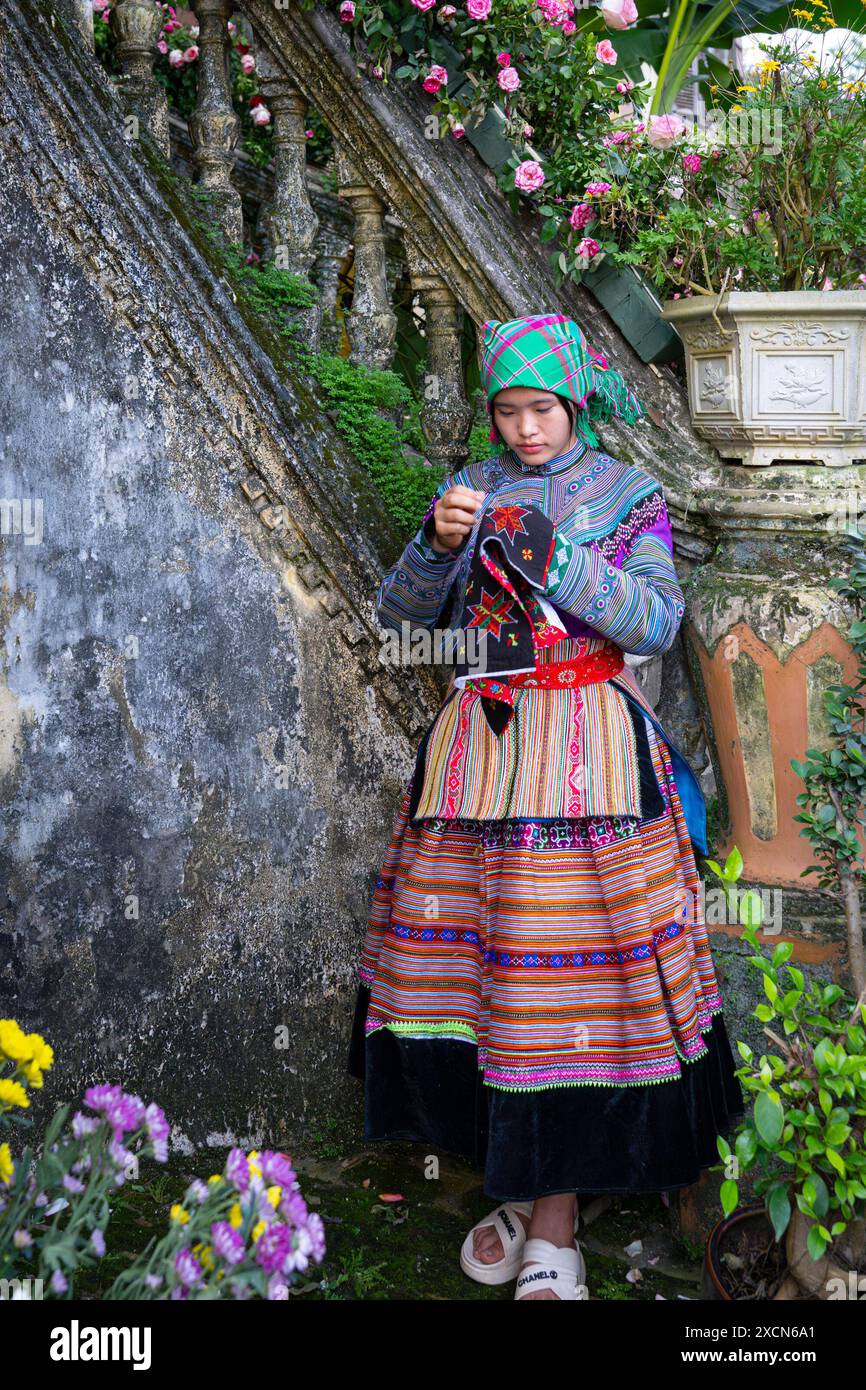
x=200, y=757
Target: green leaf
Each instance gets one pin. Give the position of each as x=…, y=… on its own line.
x=729, y=1196
x=733, y=864
x=815, y=1243
x=779, y=1209
x=769, y=1118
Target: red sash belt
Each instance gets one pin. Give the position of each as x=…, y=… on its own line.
x=577, y=670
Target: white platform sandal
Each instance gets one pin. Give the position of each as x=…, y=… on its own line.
x=547, y=1266
x=509, y=1228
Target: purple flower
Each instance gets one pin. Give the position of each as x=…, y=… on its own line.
x=294, y=1208
x=153, y=1281
x=277, y=1168
x=157, y=1124
x=125, y=1113
x=278, y=1287
x=302, y=1248
x=72, y=1184
x=97, y=1240
x=98, y=1097
x=59, y=1282
x=316, y=1232
x=274, y=1248
x=84, y=1124
x=227, y=1242
x=238, y=1169
x=199, y=1190
x=187, y=1268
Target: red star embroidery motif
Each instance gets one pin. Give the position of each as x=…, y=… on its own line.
x=509, y=519
x=493, y=612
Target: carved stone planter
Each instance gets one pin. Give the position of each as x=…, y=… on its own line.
x=777, y=377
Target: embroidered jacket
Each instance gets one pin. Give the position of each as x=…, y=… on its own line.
x=567, y=752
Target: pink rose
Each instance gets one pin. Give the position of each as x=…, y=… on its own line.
x=664, y=131
x=618, y=14
x=588, y=247
x=508, y=79
x=605, y=52
x=347, y=11
x=478, y=9
x=596, y=189
x=260, y=115
x=527, y=132
x=191, y=53
x=581, y=215
x=528, y=176
x=446, y=11
x=458, y=130
x=176, y=58
x=504, y=60
x=423, y=4
x=569, y=27
x=436, y=78
x=377, y=71
x=625, y=86
x=232, y=27
x=692, y=162
x=827, y=285
x=678, y=260
x=162, y=46
x=248, y=63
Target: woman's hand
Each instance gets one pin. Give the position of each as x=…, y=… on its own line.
x=454, y=516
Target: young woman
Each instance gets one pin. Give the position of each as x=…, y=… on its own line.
x=536, y=989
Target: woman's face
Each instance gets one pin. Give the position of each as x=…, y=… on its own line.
x=533, y=423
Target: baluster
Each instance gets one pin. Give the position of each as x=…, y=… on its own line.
x=214, y=126
x=446, y=415
x=371, y=325
x=137, y=25
x=332, y=248
x=290, y=219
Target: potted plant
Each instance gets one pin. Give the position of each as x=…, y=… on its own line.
x=750, y=226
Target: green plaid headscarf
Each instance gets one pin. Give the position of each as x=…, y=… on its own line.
x=549, y=351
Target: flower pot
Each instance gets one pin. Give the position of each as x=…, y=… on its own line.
x=777, y=377
x=748, y=1235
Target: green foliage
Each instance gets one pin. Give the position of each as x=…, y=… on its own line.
x=804, y=1131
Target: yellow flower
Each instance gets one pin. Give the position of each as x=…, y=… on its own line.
x=736, y=108
x=215, y=1177
x=14, y=1042
x=747, y=89
x=235, y=1216
x=255, y=1168
x=808, y=61
x=827, y=18
x=43, y=1055
x=7, y=1167
x=12, y=1093
x=258, y=1230
x=822, y=83
x=274, y=1195
x=714, y=86
x=32, y=1075
x=203, y=1254
x=179, y=1213
x=804, y=14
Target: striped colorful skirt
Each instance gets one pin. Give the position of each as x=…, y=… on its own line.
x=539, y=997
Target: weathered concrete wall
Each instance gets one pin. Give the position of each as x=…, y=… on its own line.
x=193, y=787
x=198, y=765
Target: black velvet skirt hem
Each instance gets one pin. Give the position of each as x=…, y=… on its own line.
x=529, y=1144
